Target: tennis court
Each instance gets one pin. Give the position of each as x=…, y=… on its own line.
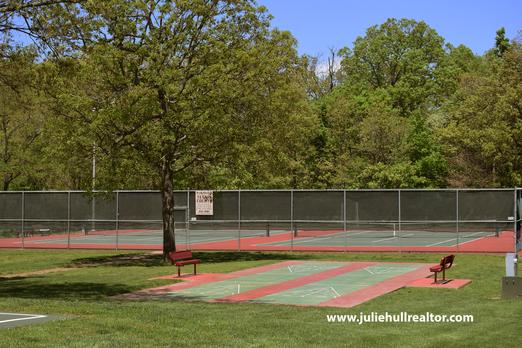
x=466, y=220
x=303, y=283
x=356, y=238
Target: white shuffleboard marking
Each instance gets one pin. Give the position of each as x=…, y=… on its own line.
x=336, y=294
x=369, y=271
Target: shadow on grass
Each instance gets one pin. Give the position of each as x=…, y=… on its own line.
x=230, y=256
x=122, y=260
x=41, y=290
x=154, y=260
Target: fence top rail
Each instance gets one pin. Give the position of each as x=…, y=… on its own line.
x=273, y=190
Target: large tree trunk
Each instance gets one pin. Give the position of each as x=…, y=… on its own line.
x=167, y=200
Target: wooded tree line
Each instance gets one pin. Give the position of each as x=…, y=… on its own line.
x=170, y=94
x=208, y=94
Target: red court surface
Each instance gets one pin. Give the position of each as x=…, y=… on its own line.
x=301, y=283
x=428, y=283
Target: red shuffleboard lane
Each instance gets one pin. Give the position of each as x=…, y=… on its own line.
x=275, y=288
x=357, y=297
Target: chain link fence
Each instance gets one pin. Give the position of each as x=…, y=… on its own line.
x=414, y=220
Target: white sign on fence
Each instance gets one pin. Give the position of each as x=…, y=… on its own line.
x=204, y=203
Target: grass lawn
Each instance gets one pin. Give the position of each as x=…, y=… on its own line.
x=93, y=319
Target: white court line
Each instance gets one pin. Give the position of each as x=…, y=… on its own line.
x=368, y=270
x=381, y=240
x=238, y=288
x=475, y=239
x=313, y=239
x=27, y=317
x=212, y=240
x=290, y=269
x=26, y=314
x=449, y=240
x=444, y=241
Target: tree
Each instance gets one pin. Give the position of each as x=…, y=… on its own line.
x=21, y=119
x=173, y=83
x=379, y=122
x=484, y=125
x=400, y=56
x=501, y=42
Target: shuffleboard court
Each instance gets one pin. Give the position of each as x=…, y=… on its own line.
x=334, y=287
x=304, y=283
x=220, y=289
x=8, y=320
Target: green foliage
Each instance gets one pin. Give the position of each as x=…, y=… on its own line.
x=501, y=42
x=375, y=129
x=485, y=123
x=425, y=153
x=198, y=94
x=399, y=56
x=22, y=119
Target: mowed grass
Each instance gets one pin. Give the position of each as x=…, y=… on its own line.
x=92, y=318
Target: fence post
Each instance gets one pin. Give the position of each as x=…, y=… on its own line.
x=515, y=222
x=457, y=218
x=187, y=217
x=117, y=219
x=68, y=219
x=93, y=211
x=291, y=220
x=399, y=230
x=344, y=222
x=23, y=220
x=239, y=220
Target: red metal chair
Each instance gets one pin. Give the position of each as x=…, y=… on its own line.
x=445, y=263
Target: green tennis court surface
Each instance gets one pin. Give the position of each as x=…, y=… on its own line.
x=150, y=237
x=19, y=319
x=373, y=238
x=315, y=238
x=307, y=283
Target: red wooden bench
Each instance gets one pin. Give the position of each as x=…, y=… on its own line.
x=445, y=263
x=182, y=258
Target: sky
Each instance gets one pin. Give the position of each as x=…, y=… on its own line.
x=322, y=24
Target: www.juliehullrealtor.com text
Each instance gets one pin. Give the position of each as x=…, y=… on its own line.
x=402, y=317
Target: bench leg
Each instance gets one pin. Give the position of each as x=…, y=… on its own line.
x=179, y=271
x=443, y=280
x=194, y=269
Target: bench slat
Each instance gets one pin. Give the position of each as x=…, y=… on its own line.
x=180, y=255
x=187, y=262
